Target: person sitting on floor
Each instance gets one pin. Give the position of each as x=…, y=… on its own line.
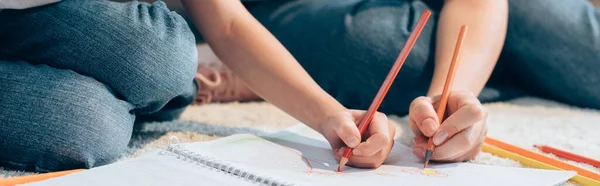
x=544, y=48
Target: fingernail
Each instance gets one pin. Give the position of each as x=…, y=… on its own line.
x=430, y=122
x=440, y=137
x=353, y=141
x=356, y=152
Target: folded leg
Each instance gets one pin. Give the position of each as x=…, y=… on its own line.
x=144, y=52
x=54, y=119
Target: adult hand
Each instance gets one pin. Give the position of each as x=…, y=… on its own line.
x=460, y=136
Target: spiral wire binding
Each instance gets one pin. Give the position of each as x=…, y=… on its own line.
x=176, y=149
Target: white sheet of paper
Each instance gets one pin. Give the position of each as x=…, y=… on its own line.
x=148, y=169
x=301, y=156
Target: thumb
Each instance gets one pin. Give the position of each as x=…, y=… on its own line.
x=347, y=131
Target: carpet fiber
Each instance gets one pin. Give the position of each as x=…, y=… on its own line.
x=522, y=122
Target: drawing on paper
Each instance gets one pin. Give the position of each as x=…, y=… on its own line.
x=315, y=166
x=426, y=172
x=416, y=171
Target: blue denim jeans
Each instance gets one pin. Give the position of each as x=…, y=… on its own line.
x=76, y=75
x=552, y=49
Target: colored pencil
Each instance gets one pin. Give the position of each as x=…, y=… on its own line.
x=368, y=117
x=568, y=155
x=542, y=158
x=35, y=177
x=446, y=91
x=529, y=162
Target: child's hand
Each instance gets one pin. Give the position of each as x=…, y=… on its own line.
x=460, y=136
x=341, y=130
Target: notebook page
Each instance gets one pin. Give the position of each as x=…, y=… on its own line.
x=302, y=156
x=149, y=169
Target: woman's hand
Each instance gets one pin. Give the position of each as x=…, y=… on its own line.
x=341, y=130
x=460, y=136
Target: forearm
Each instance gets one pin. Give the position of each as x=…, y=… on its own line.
x=256, y=56
x=487, y=21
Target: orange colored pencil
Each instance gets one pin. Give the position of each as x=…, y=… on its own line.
x=542, y=158
x=35, y=178
x=568, y=155
x=447, y=87
x=368, y=117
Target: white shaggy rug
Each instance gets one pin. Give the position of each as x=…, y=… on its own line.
x=523, y=122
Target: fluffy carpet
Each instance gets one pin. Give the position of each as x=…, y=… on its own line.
x=523, y=122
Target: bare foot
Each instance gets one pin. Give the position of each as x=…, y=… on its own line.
x=216, y=82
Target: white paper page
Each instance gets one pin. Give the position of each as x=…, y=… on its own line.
x=302, y=156
x=149, y=169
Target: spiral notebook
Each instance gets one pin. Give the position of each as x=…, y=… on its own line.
x=296, y=156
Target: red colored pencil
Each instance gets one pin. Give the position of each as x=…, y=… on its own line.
x=368, y=117
x=446, y=91
x=542, y=158
x=568, y=155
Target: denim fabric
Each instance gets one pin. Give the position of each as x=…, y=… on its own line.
x=76, y=75
x=552, y=49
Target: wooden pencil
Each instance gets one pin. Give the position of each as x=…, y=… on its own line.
x=35, y=177
x=446, y=91
x=533, y=163
x=542, y=158
x=568, y=155
x=368, y=117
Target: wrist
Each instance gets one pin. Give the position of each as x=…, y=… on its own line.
x=328, y=108
x=435, y=89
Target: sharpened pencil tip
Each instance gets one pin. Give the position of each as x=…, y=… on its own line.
x=343, y=162
x=427, y=156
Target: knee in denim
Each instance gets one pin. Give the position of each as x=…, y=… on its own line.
x=57, y=119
